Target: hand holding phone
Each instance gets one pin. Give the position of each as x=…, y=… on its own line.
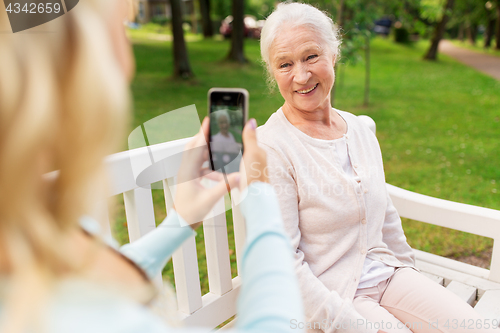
x=192, y=200
x=254, y=163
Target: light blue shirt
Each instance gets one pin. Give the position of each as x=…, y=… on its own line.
x=269, y=299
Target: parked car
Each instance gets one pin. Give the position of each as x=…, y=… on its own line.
x=252, y=27
x=382, y=26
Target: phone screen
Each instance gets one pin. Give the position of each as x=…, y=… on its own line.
x=227, y=118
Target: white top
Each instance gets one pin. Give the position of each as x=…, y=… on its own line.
x=334, y=222
x=373, y=272
x=225, y=144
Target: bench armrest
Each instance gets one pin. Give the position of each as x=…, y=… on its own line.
x=467, y=218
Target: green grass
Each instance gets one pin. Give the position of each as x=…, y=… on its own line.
x=437, y=122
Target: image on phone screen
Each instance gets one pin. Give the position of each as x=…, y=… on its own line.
x=226, y=126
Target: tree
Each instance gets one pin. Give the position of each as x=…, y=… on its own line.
x=238, y=33
x=182, y=68
x=206, y=22
x=490, y=26
x=439, y=31
x=497, y=33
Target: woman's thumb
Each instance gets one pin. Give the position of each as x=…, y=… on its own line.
x=249, y=136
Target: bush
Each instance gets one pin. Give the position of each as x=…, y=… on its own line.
x=161, y=20
x=401, y=35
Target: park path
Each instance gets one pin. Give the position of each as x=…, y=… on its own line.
x=485, y=63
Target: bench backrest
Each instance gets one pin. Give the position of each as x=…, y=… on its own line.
x=195, y=309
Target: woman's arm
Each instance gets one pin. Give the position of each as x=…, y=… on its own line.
x=270, y=299
x=322, y=306
x=394, y=237
x=152, y=251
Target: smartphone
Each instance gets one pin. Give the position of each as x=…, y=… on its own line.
x=228, y=112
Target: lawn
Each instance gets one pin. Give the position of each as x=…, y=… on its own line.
x=437, y=122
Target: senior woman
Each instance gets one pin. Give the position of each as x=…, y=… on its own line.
x=354, y=265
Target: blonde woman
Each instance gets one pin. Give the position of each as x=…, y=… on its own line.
x=63, y=106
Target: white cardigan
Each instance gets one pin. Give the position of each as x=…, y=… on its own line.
x=334, y=221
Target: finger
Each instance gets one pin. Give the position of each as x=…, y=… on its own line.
x=249, y=136
x=233, y=180
x=205, y=128
x=215, y=193
x=212, y=175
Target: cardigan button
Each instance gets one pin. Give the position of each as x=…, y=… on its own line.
x=363, y=221
x=363, y=251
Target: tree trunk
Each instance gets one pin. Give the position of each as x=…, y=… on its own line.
x=340, y=22
x=497, y=32
x=206, y=22
x=367, y=69
x=181, y=61
x=461, y=32
x=238, y=33
x=472, y=33
x=439, y=32
x=194, y=20
x=490, y=28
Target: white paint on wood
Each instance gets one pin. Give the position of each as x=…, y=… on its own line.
x=451, y=264
x=495, y=261
x=239, y=227
x=489, y=306
x=139, y=210
x=217, y=250
x=435, y=278
x=480, y=284
x=465, y=292
x=187, y=277
x=215, y=310
x=123, y=170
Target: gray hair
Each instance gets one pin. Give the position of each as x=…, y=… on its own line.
x=222, y=113
x=298, y=14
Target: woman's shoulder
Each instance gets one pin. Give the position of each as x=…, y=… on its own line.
x=271, y=133
x=356, y=125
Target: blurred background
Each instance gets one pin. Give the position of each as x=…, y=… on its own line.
x=411, y=65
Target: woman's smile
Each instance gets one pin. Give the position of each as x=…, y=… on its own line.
x=309, y=90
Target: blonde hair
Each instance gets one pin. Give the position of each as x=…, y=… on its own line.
x=63, y=106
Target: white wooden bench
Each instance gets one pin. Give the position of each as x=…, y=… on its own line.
x=479, y=287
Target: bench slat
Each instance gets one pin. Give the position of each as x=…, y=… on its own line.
x=139, y=210
x=489, y=305
x=435, y=278
x=185, y=262
x=187, y=277
x=465, y=292
x=239, y=227
x=452, y=264
x=217, y=250
x=215, y=310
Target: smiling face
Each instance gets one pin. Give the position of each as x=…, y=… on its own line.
x=303, y=69
x=223, y=123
